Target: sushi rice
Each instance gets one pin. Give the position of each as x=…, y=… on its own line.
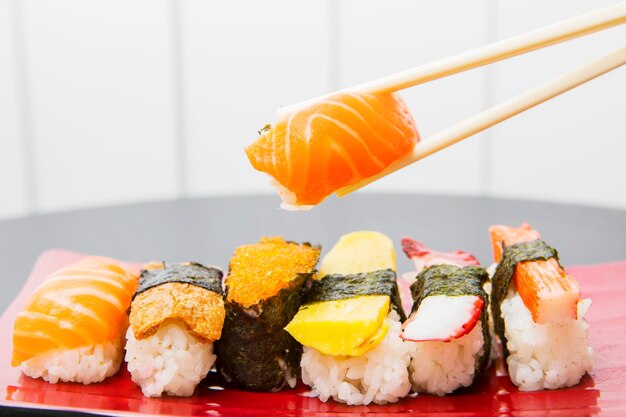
x=380, y=376
x=84, y=364
x=171, y=361
x=441, y=367
x=545, y=356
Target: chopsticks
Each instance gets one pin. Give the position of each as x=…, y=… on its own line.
x=569, y=29
x=550, y=35
x=501, y=112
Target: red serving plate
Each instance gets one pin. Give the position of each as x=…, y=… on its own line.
x=492, y=394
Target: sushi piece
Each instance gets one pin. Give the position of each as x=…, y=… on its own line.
x=423, y=256
x=264, y=289
x=359, y=252
x=537, y=312
x=350, y=324
x=314, y=151
x=448, y=324
x=176, y=315
x=72, y=326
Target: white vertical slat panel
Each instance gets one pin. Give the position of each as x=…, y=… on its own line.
x=380, y=38
x=243, y=59
x=100, y=80
x=13, y=197
x=571, y=148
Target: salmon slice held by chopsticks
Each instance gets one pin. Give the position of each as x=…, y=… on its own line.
x=313, y=151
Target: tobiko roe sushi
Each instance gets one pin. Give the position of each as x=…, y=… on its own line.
x=72, y=327
x=537, y=312
x=313, y=151
x=264, y=289
x=448, y=326
x=350, y=323
x=176, y=315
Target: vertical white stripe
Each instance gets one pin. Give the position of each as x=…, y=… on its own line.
x=489, y=83
x=178, y=118
x=25, y=110
x=334, y=45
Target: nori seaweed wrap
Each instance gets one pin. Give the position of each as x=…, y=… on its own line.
x=187, y=292
x=264, y=290
x=535, y=250
x=175, y=317
x=451, y=280
x=343, y=287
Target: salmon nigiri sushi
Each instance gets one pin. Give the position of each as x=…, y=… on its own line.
x=72, y=327
x=312, y=152
x=537, y=312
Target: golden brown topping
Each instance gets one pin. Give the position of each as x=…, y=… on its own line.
x=202, y=311
x=260, y=270
x=152, y=265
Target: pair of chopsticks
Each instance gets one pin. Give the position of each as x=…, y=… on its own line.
x=550, y=35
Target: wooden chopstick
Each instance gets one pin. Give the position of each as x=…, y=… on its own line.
x=500, y=112
x=569, y=29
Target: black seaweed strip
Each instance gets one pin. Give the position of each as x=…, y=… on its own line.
x=209, y=278
x=255, y=352
x=451, y=280
x=341, y=287
x=535, y=250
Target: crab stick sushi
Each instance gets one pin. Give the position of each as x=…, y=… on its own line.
x=448, y=326
x=313, y=151
x=537, y=312
x=264, y=289
x=349, y=325
x=72, y=327
x=176, y=315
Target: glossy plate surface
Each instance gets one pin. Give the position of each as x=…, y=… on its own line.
x=492, y=394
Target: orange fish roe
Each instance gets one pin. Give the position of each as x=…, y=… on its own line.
x=260, y=270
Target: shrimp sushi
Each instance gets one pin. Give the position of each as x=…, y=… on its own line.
x=72, y=327
x=448, y=326
x=350, y=323
x=176, y=315
x=264, y=289
x=537, y=312
x=316, y=150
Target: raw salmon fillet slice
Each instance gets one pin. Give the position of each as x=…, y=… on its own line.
x=338, y=141
x=85, y=303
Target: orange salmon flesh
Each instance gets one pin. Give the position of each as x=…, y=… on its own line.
x=83, y=304
x=314, y=151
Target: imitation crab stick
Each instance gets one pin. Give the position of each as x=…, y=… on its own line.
x=546, y=289
x=313, y=151
x=537, y=312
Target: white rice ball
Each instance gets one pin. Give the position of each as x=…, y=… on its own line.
x=380, y=375
x=545, y=356
x=84, y=364
x=441, y=367
x=171, y=361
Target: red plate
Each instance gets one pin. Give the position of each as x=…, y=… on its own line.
x=492, y=394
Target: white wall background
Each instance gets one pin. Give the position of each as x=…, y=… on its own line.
x=112, y=101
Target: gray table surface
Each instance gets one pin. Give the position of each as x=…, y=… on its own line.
x=207, y=230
